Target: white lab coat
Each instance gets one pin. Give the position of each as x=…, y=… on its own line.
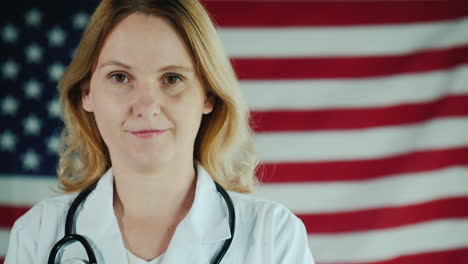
x=266, y=232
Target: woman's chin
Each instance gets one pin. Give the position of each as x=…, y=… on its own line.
x=151, y=160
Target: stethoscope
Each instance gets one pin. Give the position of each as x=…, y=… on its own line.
x=70, y=238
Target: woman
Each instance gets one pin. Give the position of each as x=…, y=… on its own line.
x=154, y=115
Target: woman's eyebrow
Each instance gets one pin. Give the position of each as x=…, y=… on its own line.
x=114, y=62
x=166, y=68
x=177, y=68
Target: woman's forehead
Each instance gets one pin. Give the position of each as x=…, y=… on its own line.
x=141, y=40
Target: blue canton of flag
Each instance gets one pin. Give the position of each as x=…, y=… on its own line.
x=38, y=41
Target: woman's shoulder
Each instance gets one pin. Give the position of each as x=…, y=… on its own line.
x=34, y=233
x=262, y=210
x=269, y=226
x=255, y=202
x=46, y=212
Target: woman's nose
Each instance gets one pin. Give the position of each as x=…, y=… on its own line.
x=148, y=102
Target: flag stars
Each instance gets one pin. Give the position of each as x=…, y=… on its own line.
x=54, y=109
x=33, y=53
x=80, y=20
x=33, y=17
x=31, y=160
x=9, y=33
x=32, y=125
x=9, y=105
x=56, y=71
x=7, y=141
x=10, y=69
x=56, y=37
x=32, y=89
x=53, y=143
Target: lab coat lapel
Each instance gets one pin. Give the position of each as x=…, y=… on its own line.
x=205, y=226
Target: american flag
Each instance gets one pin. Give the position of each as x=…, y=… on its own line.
x=360, y=110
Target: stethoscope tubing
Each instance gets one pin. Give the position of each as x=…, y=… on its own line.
x=71, y=237
x=232, y=224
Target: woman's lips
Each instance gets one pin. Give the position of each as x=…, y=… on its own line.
x=147, y=133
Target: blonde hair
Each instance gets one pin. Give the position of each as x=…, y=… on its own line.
x=224, y=144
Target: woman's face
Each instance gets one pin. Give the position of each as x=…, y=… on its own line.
x=145, y=94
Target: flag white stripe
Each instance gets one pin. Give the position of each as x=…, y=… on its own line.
x=362, y=143
x=343, y=41
x=26, y=190
x=396, y=190
x=385, y=244
x=354, y=93
x=302, y=197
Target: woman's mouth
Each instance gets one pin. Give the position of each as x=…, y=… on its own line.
x=147, y=133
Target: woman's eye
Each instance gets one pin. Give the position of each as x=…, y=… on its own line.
x=119, y=77
x=172, y=79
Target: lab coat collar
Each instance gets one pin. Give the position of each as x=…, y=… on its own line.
x=206, y=222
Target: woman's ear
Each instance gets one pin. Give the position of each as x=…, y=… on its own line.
x=208, y=104
x=86, y=99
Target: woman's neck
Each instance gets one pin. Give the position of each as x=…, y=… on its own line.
x=166, y=193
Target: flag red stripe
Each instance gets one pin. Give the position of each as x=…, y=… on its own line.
x=385, y=217
x=10, y=213
x=331, y=13
x=350, y=66
x=358, y=118
x=452, y=256
x=328, y=171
